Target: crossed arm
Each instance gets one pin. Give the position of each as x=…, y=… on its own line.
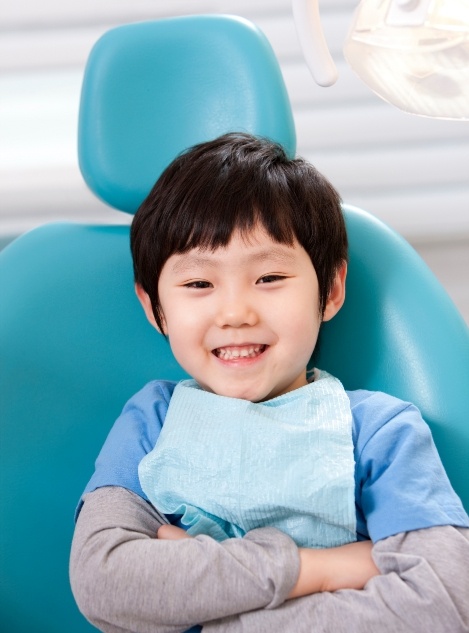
x=124, y=579
x=347, y=567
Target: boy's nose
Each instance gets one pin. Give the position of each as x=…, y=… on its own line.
x=236, y=313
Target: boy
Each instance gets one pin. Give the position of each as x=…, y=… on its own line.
x=239, y=255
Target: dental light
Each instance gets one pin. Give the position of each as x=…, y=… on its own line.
x=412, y=53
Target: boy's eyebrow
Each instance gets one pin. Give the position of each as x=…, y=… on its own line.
x=187, y=261
x=275, y=254
x=192, y=260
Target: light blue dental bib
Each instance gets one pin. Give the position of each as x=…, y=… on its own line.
x=226, y=466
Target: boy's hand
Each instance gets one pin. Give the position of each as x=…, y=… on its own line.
x=171, y=533
x=347, y=567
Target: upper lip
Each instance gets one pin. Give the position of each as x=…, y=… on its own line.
x=238, y=345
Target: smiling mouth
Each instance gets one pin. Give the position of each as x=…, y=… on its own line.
x=235, y=352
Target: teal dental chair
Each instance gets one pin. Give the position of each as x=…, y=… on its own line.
x=75, y=344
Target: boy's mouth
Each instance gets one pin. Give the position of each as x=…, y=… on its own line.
x=234, y=352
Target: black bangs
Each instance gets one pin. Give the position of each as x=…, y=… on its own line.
x=208, y=219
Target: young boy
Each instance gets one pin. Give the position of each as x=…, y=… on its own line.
x=239, y=255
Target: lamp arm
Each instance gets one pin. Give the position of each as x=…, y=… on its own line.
x=313, y=43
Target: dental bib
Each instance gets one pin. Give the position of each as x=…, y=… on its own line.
x=224, y=466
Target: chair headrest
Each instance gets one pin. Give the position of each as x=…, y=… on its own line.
x=153, y=89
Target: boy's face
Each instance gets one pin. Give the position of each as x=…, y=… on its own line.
x=243, y=320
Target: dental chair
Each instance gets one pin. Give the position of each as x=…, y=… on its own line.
x=75, y=344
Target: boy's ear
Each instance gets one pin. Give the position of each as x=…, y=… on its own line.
x=147, y=307
x=337, y=294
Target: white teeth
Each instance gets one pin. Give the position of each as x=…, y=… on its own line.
x=230, y=353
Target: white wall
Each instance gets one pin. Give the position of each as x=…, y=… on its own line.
x=410, y=171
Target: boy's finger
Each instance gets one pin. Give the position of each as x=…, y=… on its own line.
x=171, y=533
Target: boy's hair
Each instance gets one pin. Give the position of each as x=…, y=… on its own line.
x=236, y=182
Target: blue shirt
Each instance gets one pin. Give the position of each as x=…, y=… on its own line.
x=400, y=483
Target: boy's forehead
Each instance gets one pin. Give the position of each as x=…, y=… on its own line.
x=244, y=249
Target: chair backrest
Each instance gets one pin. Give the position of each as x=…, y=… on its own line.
x=74, y=342
x=399, y=332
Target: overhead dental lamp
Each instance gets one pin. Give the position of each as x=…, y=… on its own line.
x=413, y=54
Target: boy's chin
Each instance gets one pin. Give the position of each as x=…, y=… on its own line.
x=239, y=392
x=250, y=393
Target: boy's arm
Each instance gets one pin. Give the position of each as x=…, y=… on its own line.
x=423, y=586
x=348, y=566
x=124, y=579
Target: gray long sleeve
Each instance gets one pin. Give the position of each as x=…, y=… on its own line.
x=126, y=580
x=424, y=587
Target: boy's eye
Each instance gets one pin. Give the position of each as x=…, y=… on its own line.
x=198, y=284
x=268, y=279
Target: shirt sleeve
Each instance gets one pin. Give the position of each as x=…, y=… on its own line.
x=423, y=587
x=126, y=580
x=132, y=436
x=401, y=484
